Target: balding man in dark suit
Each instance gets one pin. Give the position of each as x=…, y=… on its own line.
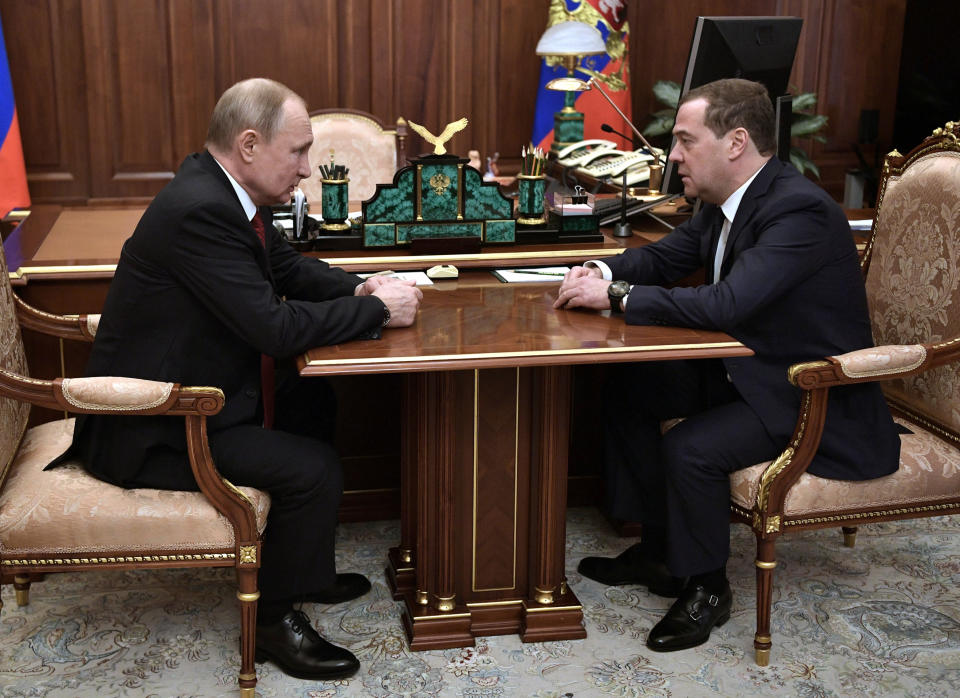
x=204, y=290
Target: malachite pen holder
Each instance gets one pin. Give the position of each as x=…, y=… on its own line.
x=530, y=190
x=334, y=204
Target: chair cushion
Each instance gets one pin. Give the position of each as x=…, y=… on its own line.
x=68, y=510
x=929, y=471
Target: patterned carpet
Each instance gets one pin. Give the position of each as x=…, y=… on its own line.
x=882, y=619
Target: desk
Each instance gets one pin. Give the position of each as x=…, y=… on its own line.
x=485, y=410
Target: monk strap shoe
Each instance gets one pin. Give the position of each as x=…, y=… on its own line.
x=690, y=619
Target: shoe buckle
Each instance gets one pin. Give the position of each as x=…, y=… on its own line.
x=713, y=600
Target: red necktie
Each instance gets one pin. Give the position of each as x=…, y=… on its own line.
x=266, y=362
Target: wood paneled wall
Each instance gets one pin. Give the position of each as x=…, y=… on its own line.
x=112, y=94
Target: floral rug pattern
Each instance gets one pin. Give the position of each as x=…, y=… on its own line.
x=881, y=619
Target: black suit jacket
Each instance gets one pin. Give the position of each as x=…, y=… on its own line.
x=196, y=299
x=791, y=290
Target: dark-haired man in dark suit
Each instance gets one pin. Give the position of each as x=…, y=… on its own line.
x=782, y=276
x=205, y=289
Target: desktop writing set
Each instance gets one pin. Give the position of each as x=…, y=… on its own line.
x=437, y=203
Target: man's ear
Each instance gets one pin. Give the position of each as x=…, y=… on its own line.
x=739, y=138
x=246, y=142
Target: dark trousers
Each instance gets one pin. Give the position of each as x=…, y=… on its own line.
x=678, y=483
x=295, y=463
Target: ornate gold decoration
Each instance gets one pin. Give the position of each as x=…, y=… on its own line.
x=253, y=596
x=946, y=131
x=423, y=598
x=764, y=565
x=248, y=555
x=868, y=515
x=117, y=560
x=445, y=135
x=773, y=524
x=544, y=596
x=796, y=369
x=439, y=183
x=446, y=603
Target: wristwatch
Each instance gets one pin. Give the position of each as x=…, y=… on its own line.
x=616, y=293
x=386, y=315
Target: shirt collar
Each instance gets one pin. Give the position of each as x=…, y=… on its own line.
x=249, y=208
x=730, y=206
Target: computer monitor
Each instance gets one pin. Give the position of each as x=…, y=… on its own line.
x=753, y=48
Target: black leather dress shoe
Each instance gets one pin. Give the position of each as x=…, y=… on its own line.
x=632, y=567
x=348, y=586
x=691, y=618
x=294, y=646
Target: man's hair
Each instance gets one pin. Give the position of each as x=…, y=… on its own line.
x=256, y=103
x=735, y=103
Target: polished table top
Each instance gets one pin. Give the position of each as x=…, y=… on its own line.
x=477, y=321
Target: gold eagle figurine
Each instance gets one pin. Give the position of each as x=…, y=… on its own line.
x=445, y=135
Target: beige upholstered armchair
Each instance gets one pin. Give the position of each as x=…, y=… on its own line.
x=912, y=268
x=360, y=142
x=66, y=520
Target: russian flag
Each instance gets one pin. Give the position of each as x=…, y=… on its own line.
x=13, y=173
x=610, y=18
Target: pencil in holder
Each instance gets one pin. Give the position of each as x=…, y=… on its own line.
x=334, y=206
x=530, y=190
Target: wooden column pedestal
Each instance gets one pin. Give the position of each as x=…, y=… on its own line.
x=483, y=511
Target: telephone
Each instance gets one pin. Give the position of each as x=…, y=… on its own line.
x=573, y=154
x=612, y=163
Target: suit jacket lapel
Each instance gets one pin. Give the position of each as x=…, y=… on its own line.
x=748, y=206
x=208, y=162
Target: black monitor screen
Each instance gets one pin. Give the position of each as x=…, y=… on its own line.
x=753, y=48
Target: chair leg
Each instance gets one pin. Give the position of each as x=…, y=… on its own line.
x=248, y=595
x=21, y=584
x=765, y=564
x=849, y=536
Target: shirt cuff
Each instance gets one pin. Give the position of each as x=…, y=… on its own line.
x=604, y=269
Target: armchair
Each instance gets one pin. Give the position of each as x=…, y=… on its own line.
x=361, y=142
x=912, y=270
x=66, y=520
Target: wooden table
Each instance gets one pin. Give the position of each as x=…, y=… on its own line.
x=485, y=413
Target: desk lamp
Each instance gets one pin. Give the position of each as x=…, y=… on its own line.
x=571, y=84
x=570, y=42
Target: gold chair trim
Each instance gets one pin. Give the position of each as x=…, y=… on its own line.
x=114, y=560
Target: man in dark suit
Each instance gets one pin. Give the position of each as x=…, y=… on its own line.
x=782, y=276
x=207, y=292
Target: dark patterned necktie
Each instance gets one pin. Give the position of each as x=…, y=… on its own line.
x=266, y=362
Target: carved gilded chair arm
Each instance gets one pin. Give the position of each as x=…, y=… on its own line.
x=874, y=364
x=112, y=395
x=79, y=327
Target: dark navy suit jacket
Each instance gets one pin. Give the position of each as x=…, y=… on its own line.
x=791, y=290
x=196, y=299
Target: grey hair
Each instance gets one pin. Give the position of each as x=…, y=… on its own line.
x=256, y=103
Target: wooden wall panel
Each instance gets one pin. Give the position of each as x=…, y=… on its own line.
x=112, y=94
x=130, y=98
x=45, y=52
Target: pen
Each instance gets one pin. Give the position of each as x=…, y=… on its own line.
x=541, y=273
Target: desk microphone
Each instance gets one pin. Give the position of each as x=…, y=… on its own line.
x=610, y=129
